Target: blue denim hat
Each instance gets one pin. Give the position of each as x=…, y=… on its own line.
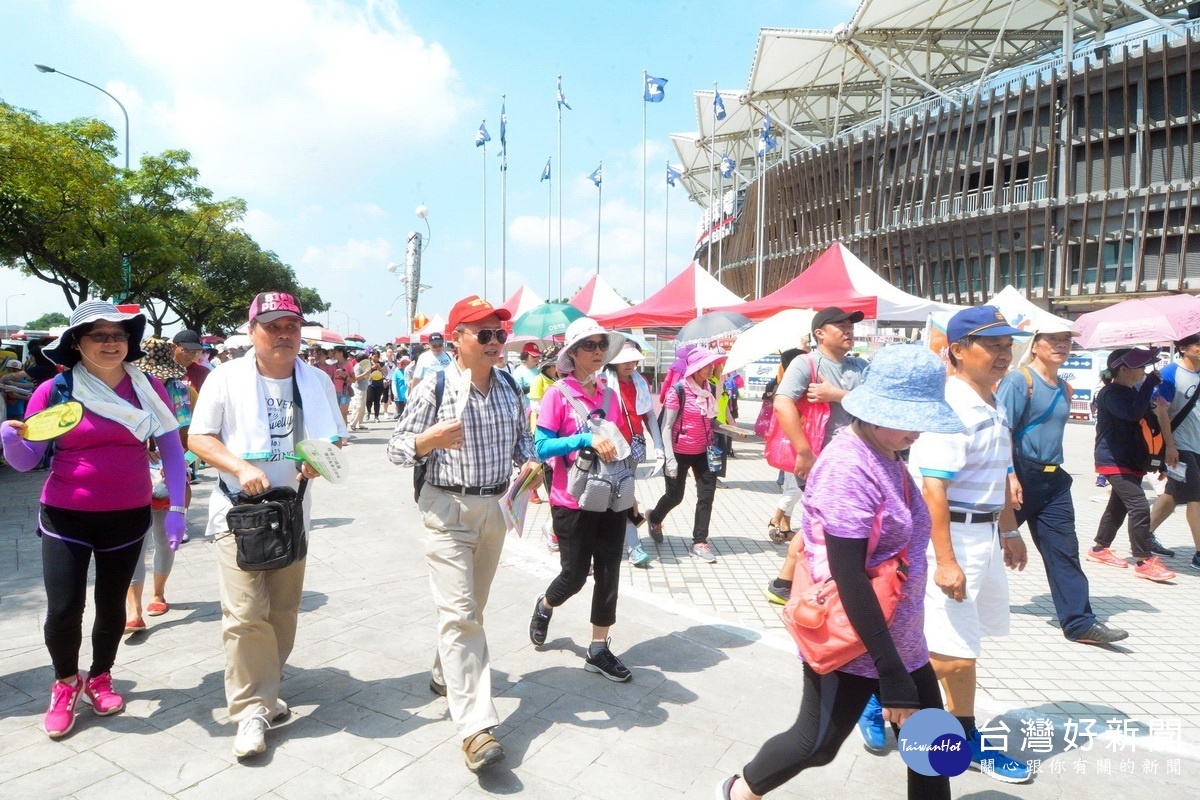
x=980, y=321
x=904, y=388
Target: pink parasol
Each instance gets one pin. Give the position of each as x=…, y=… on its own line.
x=1143, y=321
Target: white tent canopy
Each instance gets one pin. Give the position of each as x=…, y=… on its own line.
x=895, y=304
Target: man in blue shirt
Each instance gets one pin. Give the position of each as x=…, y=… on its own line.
x=1180, y=382
x=1038, y=404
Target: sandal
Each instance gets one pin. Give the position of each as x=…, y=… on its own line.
x=774, y=534
x=786, y=535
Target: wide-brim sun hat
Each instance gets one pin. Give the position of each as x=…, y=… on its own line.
x=581, y=329
x=61, y=352
x=159, y=360
x=699, y=358
x=630, y=353
x=904, y=388
x=549, y=358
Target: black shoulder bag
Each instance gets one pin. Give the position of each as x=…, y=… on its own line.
x=269, y=527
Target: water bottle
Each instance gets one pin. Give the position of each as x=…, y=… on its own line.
x=585, y=459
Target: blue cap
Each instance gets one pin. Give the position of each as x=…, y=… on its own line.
x=980, y=321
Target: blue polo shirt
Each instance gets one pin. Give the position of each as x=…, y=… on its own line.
x=1043, y=443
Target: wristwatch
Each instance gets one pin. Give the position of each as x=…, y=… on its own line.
x=1010, y=534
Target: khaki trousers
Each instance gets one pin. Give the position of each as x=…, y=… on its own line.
x=259, y=611
x=463, y=542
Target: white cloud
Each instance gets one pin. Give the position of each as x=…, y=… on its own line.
x=272, y=94
x=354, y=255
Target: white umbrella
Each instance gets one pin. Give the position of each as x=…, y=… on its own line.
x=774, y=334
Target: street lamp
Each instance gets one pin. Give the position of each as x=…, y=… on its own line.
x=7, y=328
x=124, y=260
x=344, y=314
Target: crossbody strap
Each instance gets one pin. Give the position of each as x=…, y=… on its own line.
x=1058, y=392
x=1178, y=419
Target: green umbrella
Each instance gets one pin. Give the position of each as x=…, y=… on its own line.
x=547, y=321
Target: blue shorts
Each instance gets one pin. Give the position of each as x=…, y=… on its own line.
x=343, y=399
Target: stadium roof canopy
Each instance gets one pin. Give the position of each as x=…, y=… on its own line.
x=815, y=84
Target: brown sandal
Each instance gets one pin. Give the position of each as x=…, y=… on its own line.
x=482, y=750
x=774, y=534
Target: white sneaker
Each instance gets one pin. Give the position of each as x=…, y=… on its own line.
x=251, y=736
x=281, y=710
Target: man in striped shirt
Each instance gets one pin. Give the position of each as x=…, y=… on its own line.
x=469, y=439
x=964, y=480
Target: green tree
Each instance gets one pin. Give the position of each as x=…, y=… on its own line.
x=47, y=321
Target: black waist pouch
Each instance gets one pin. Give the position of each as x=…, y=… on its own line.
x=269, y=528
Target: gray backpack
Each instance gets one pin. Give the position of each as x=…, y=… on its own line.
x=600, y=485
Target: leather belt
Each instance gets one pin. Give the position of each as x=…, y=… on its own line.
x=477, y=491
x=974, y=517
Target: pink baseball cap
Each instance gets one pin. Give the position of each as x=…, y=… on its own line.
x=270, y=306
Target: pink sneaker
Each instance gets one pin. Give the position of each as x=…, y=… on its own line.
x=1106, y=556
x=1152, y=570
x=99, y=693
x=60, y=717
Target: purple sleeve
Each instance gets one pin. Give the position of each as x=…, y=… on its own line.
x=843, y=497
x=21, y=454
x=160, y=389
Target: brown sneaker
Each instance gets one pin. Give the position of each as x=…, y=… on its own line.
x=481, y=751
x=1106, y=556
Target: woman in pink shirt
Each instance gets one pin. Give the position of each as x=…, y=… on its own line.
x=586, y=538
x=96, y=501
x=687, y=433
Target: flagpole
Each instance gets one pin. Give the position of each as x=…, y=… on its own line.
x=758, y=234
x=560, y=162
x=721, y=241
x=599, y=203
x=644, y=77
x=666, y=222
x=503, y=209
x=712, y=154
x=549, y=235
x=484, y=148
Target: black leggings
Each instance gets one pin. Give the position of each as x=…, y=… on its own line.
x=829, y=710
x=374, y=395
x=706, y=487
x=589, y=539
x=70, y=539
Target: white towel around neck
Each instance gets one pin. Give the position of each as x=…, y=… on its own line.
x=251, y=435
x=154, y=418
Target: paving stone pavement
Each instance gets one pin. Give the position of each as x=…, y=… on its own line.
x=714, y=673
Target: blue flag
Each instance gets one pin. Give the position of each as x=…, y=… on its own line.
x=727, y=165
x=655, y=89
x=765, y=143
x=481, y=136
x=546, y=171
x=597, y=177
x=672, y=175
x=503, y=128
x=718, y=105
x=562, y=98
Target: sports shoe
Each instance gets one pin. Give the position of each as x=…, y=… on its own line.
x=1158, y=549
x=482, y=750
x=539, y=624
x=282, y=711
x=656, y=532
x=778, y=593
x=1100, y=633
x=60, y=716
x=639, y=557
x=702, y=551
x=1106, y=556
x=607, y=665
x=994, y=763
x=98, y=693
x=870, y=726
x=251, y=736
x=437, y=688
x=725, y=788
x=1152, y=570
x=1195, y=562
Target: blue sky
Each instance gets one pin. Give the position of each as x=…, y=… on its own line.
x=334, y=120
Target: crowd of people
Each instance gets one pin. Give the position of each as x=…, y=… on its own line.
x=902, y=459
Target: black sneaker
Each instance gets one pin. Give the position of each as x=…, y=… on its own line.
x=656, y=532
x=607, y=665
x=1196, y=561
x=539, y=625
x=1157, y=548
x=1100, y=633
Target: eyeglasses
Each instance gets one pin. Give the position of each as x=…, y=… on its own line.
x=485, y=335
x=592, y=345
x=104, y=338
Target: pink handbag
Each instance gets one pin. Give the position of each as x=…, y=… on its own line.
x=779, y=451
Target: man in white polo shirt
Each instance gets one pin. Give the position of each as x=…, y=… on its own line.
x=964, y=479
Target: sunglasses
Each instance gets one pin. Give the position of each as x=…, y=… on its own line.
x=592, y=345
x=485, y=335
x=104, y=338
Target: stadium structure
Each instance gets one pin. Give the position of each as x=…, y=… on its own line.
x=958, y=147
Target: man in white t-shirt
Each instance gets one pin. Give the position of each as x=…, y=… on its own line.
x=246, y=423
x=431, y=362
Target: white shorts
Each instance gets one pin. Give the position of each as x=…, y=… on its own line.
x=957, y=629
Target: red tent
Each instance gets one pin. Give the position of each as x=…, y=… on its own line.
x=685, y=297
x=825, y=283
x=598, y=297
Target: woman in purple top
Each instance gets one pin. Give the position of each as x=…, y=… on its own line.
x=586, y=539
x=96, y=501
x=860, y=474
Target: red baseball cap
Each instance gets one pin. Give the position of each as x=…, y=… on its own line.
x=473, y=309
x=531, y=349
x=270, y=306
